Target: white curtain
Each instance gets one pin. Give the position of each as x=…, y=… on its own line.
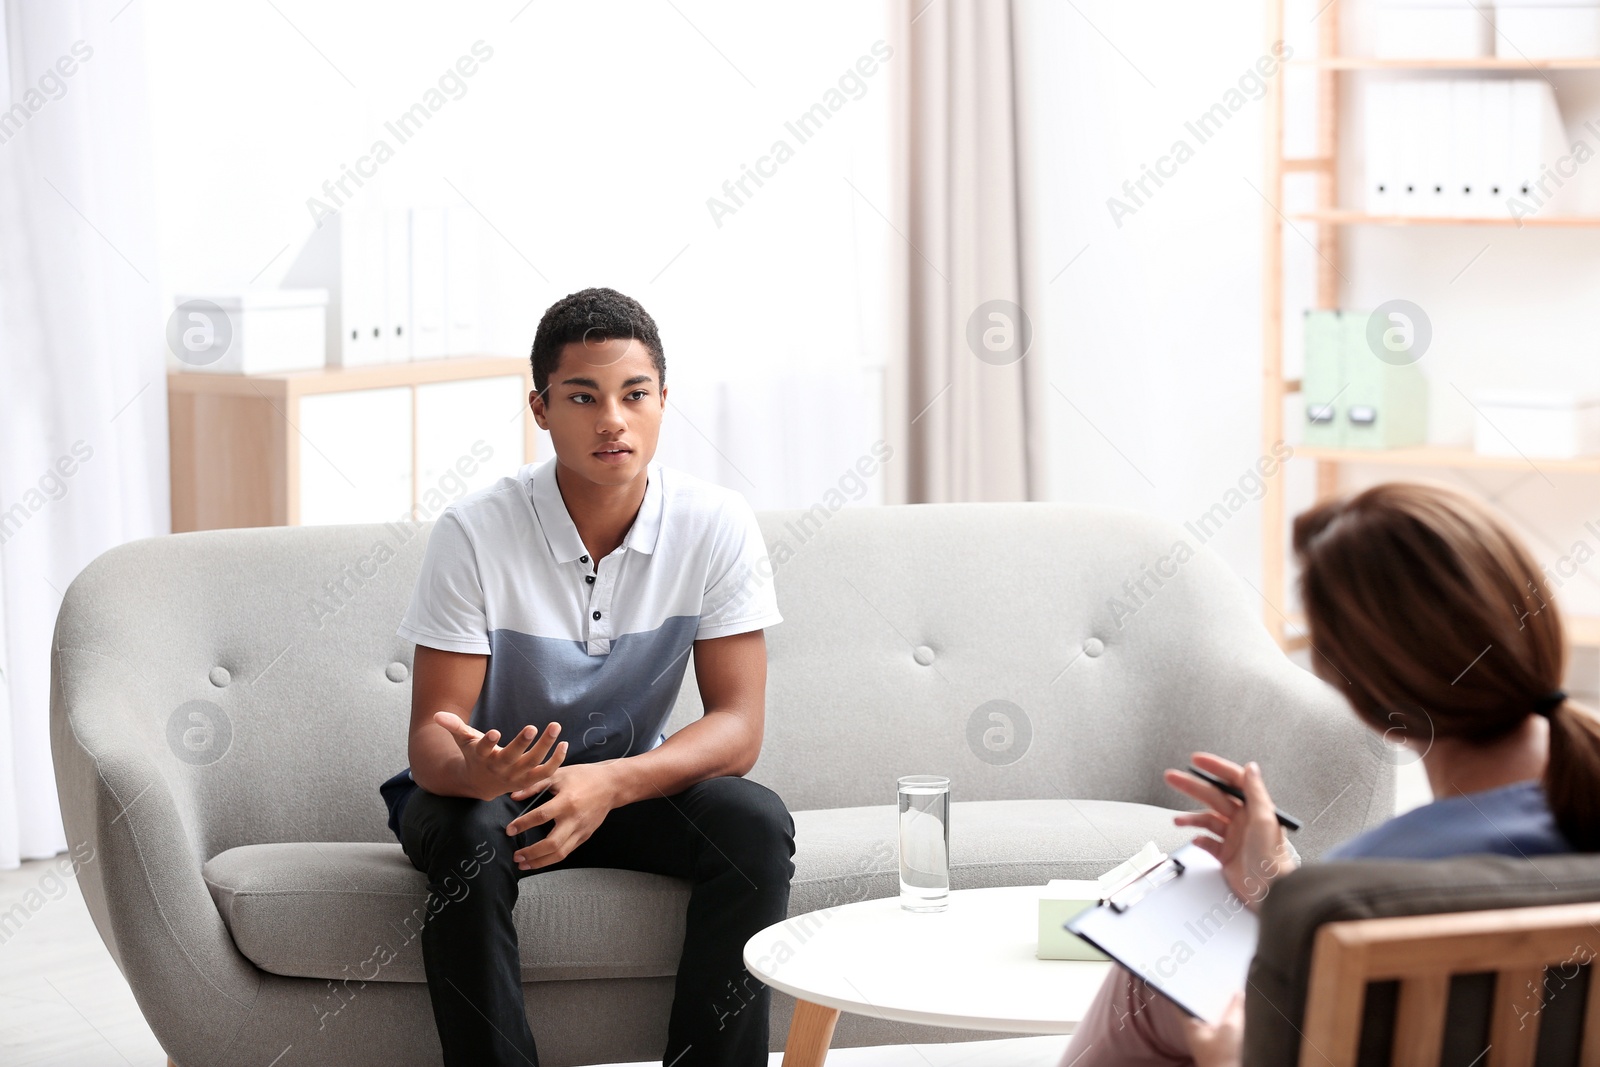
x=965, y=389
x=83, y=405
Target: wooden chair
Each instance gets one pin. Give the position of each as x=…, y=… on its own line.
x=1534, y=954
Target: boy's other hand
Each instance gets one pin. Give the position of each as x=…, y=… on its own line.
x=493, y=770
x=581, y=797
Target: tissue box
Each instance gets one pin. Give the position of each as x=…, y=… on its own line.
x=272, y=331
x=1063, y=899
x=1547, y=29
x=1551, y=424
x=1433, y=29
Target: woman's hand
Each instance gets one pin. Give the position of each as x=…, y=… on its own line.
x=1219, y=1044
x=1249, y=841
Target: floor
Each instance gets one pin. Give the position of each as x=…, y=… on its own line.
x=63, y=1003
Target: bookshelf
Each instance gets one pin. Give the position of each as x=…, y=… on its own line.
x=1340, y=217
x=248, y=449
x=1327, y=219
x=1338, y=62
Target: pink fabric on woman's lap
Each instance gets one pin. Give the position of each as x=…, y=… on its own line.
x=1128, y=1025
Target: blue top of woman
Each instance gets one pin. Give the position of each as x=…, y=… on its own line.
x=1513, y=820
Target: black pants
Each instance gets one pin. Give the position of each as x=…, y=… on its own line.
x=731, y=837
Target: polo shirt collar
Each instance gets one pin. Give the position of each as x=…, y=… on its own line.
x=646, y=528
x=566, y=546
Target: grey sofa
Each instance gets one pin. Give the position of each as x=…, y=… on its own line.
x=225, y=704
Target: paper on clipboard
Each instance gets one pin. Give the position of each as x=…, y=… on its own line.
x=1182, y=930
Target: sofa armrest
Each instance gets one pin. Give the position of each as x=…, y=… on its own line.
x=139, y=871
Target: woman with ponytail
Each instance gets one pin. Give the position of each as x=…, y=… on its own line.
x=1429, y=615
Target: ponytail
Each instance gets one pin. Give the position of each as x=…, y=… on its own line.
x=1572, y=775
x=1432, y=615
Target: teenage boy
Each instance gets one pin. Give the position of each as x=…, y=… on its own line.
x=554, y=617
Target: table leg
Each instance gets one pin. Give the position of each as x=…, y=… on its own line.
x=810, y=1033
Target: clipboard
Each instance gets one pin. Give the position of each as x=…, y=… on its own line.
x=1177, y=925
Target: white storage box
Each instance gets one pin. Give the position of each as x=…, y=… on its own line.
x=1552, y=424
x=1433, y=29
x=1547, y=29
x=265, y=332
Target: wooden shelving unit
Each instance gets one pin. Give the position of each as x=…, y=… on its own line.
x=1329, y=218
x=1338, y=217
x=1447, y=456
x=236, y=439
x=1337, y=62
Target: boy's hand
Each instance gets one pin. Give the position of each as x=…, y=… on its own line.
x=581, y=797
x=493, y=770
x=1249, y=842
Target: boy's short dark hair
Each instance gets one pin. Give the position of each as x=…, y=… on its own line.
x=593, y=315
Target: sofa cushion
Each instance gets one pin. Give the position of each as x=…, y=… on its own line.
x=354, y=910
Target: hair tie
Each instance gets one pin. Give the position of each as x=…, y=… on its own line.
x=1547, y=704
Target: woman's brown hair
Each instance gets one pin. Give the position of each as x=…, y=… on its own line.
x=1431, y=616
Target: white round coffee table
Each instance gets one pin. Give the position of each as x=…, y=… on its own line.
x=970, y=966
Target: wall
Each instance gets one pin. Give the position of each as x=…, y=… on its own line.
x=1153, y=330
x=1150, y=314
x=590, y=141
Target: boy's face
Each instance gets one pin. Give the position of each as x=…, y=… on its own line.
x=603, y=407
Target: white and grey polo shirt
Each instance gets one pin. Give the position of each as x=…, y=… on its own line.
x=600, y=650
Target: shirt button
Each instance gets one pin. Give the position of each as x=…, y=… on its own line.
x=589, y=578
x=597, y=615
x=583, y=559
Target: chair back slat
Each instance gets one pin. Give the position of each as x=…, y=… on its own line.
x=1589, y=1055
x=1419, y=1019
x=1423, y=952
x=1514, y=1026
x=1333, y=1006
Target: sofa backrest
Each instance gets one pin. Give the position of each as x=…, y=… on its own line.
x=1036, y=650
x=1026, y=650
x=1275, y=1005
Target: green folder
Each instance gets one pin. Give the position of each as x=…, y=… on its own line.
x=1323, y=379
x=1352, y=398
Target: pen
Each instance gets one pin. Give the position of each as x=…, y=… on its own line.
x=1289, y=822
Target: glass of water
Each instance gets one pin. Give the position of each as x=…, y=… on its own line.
x=924, y=842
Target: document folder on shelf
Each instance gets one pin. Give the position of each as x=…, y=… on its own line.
x=1179, y=927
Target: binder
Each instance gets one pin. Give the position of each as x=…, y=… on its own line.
x=1181, y=928
x=1538, y=141
x=463, y=241
x=362, y=269
x=1436, y=192
x=429, y=321
x=1411, y=162
x=1468, y=198
x=1382, y=146
x=1495, y=144
x=330, y=261
x=365, y=255
x=396, y=343
x=1525, y=138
